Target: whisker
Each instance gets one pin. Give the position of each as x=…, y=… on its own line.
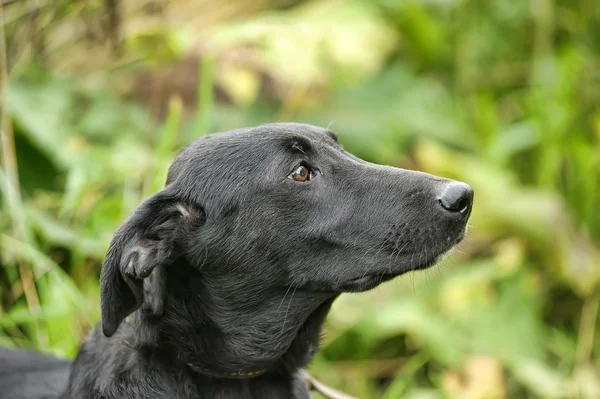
x=281, y=303
x=288, y=309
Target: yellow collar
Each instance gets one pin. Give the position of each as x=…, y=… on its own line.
x=235, y=374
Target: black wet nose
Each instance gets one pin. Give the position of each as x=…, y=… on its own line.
x=457, y=197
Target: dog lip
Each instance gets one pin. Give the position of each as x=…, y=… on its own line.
x=368, y=276
x=367, y=281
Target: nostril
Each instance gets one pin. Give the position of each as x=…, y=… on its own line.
x=457, y=197
x=463, y=205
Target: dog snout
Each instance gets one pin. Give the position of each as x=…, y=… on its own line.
x=457, y=199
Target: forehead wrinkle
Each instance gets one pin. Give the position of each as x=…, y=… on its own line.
x=332, y=135
x=298, y=144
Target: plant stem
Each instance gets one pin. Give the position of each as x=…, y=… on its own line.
x=587, y=327
x=9, y=164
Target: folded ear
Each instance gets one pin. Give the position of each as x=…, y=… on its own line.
x=145, y=240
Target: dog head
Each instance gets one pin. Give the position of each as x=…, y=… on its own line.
x=260, y=212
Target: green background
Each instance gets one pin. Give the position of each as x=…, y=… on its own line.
x=97, y=97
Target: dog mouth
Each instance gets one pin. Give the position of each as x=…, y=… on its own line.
x=372, y=279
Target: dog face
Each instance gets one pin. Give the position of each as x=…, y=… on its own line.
x=258, y=211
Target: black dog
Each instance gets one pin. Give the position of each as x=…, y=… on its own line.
x=228, y=273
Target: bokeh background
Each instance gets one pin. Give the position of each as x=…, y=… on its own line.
x=98, y=96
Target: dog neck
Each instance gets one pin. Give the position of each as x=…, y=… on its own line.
x=228, y=337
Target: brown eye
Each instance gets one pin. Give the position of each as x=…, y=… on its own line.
x=302, y=173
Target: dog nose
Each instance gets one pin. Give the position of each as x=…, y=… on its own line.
x=457, y=197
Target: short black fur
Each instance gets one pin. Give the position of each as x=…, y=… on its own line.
x=233, y=266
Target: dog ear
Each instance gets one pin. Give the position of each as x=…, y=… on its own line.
x=145, y=240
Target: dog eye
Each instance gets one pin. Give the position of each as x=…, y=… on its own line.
x=302, y=173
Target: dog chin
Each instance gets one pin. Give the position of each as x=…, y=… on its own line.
x=366, y=282
x=371, y=280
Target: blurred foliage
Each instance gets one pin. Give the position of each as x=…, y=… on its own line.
x=502, y=94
